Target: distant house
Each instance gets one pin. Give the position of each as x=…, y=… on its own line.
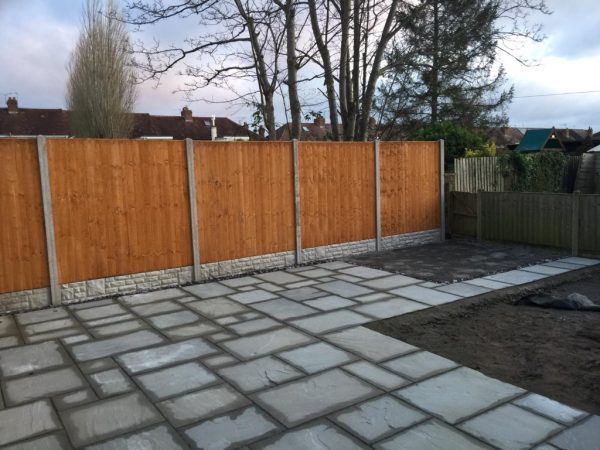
x=505, y=137
x=541, y=139
x=317, y=130
x=23, y=122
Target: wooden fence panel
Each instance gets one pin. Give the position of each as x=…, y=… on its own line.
x=23, y=257
x=245, y=199
x=462, y=214
x=589, y=223
x=410, y=187
x=120, y=206
x=475, y=174
x=337, y=192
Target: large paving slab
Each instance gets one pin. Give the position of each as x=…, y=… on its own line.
x=54, y=441
x=43, y=327
x=463, y=289
x=253, y=326
x=329, y=303
x=389, y=308
x=209, y=290
x=107, y=347
x=253, y=296
x=173, y=319
x=425, y=295
x=516, y=277
x=266, y=343
x=330, y=321
x=282, y=308
x=259, y=373
x=303, y=293
x=420, y=365
x=383, y=379
x=583, y=436
x=550, y=408
x=344, y=288
x=151, y=309
x=364, y=272
x=150, y=297
x=33, y=387
x=280, y=277
x=300, y=401
x=100, y=312
x=176, y=380
x=26, y=421
x=31, y=358
x=217, y=307
x=390, y=282
x=314, y=358
x=158, y=437
x=43, y=315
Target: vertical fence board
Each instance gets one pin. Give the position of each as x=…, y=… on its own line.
x=589, y=223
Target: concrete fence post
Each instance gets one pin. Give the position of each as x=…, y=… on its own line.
x=191, y=168
x=442, y=194
x=55, y=292
x=297, y=215
x=377, y=196
x=575, y=223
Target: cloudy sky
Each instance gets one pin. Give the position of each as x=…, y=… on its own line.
x=38, y=36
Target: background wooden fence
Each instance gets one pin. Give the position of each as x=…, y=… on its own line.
x=123, y=206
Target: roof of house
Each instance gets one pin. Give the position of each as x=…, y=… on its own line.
x=504, y=136
x=537, y=140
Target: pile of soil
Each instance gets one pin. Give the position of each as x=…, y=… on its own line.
x=553, y=352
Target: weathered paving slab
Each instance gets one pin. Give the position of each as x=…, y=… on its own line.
x=383, y=379
x=240, y=282
x=109, y=320
x=389, y=308
x=54, y=441
x=149, y=297
x=390, y=282
x=109, y=418
x=155, y=357
x=583, y=436
x=516, y=277
x=71, y=399
x=117, y=328
x=425, y=295
x=265, y=343
x=364, y=272
x=330, y=302
x=279, y=277
x=304, y=293
x=463, y=289
x=282, y=308
x=256, y=295
x=217, y=307
x=31, y=358
x=111, y=382
x=9, y=341
x=33, y=387
x=317, y=273
x=209, y=290
x=550, y=408
x=490, y=284
x=232, y=431
x=27, y=421
x=300, y=401
x=52, y=325
x=196, y=329
x=160, y=437
x=202, y=404
x=252, y=326
x=331, y=321
x=100, y=312
x=43, y=315
x=544, y=269
x=176, y=380
x=420, y=365
x=344, y=288
x=259, y=373
x=316, y=357
x=52, y=335
x=111, y=346
x=172, y=319
x=151, y=309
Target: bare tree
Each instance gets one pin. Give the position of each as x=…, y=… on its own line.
x=101, y=89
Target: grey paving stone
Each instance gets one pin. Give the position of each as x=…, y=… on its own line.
x=545, y=447
x=111, y=346
x=300, y=401
x=511, y=428
x=241, y=281
x=173, y=319
x=389, y=308
x=252, y=326
x=54, y=441
x=420, y=365
x=265, y=343
x=563, y=265
x=259, y=373
x=227, y=320
x=301, y=284
x=580, y=261
x=251, y=315
x=279, y=277
x=372, y=297
x=71, y=399
x=218, y=361
x=117, y=328
x=282, y=308
x=69, y=340
x=43, y=315
x=349, y=278
x=334, y=265
x=329, y=303
x=325, y=279
x=163, y=355
x=202, y=404
x=459, y=393
x=544, y=269
x=110, y=382
x=431, y=284
x=100, y=312
x=317, y=273
x=256, y=295
x=7, y=326
x=109, y=418
x=583, y=436
x=369, y=344
x=364, y=272
x=221, y=336
x=320, y=435
x=217, y=307
x=463, y=289
x=91, y=304
x=378, y=418
x=246, y=288
x=516, y=277
x=195, y=329
x=26, y=421
x=150, y=297
x=269, y=287
x=160, y=437
x=33, y=387
x=550, y=408
x=97, y=365
x=151, y=309
x=52, y=325
x=109, y=320
x=490, y=284
x=383, y=379
x=330, y=321
x=431, y=435
x=232, y=430
x=301, y=294
x=31, y=358
x=176, y=380
x=208, y=290
x=52, y=335
x=9, y=341
x=390, y=282
x=344, y=288
x=425, y=295
x=314, y=358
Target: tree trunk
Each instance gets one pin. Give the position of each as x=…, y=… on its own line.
x=292, y=67
x=434, y=66
x=344, y=72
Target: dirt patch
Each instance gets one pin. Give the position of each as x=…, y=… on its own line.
x=551, y=352
x=456, y=259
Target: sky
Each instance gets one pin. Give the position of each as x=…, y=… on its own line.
x=38, y=37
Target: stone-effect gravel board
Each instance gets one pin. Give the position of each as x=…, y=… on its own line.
x=31, y=358
x=33, y=387
x=26, y=421
x=159, y=437
x=330, y=321
x=266, y=343
x=107, y=347
x=259, y=373
x=369, y=344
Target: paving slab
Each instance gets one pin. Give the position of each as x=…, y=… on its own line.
x=160, y=437
x=52, y=325
x=459, y=394
x=111, y=382
x=383, y=379
x=220, y=336
x=172, y=319
x=378, y=418
x=301, y=294
x=270, y=287
x=550, y=408
x=97, y=365
x=109, y=418
x=117, y=328
x=31, y=358
x=516, y=277
x=464, y=289
x=334, y=265
x=175, y=380
x=314, y=358
x=330, y=321
x=209, y=290
x=109, y=320
x=344, y=288
x=233, y=430
x=240, y=282
x=431, y=435
x=54, y=441
x=26, y=421
x=217, y=307
x=256, y=295
x=317, y=272
x=195, y=329
x=583, y=436
x=90, y=304
x=392, y=307
x=7, y=326
x=259, y=373
x=99, y=312
x=266, y=343
x=301, y=284
x=227, y=320
x=544, y=269
x=563, y=265
x=349, y=278
x=151, y=309
x=420, y=365
x=74, y=339
x=282, y=308
x=330, y=302
x=253, y=326
x=51, y=335
x=42, y=315
x=33, y=387
x=279, y=277
x=490, y=284
x=372, y=297
x=111, y=346
x=425, y=295
x=218, y=361
x=364, y=272
x=202, y=404
x=390, y=282
x=9, y=341
x=300, y=401
x=580, y=261
x=155, y=357
x=150, y=297
x=369, y=344
x=75, y=398
x=511, y=428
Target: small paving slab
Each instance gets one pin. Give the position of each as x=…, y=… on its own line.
x=97, y=365
x=389, y=308
x=390, y=282
x=195, y=329
x=369, y=344
x=425, y=295
x=344, y=288
x=151, y=309
x=583, y=436
x=364, y=272
x=266, y=343
x=76, y=398
x=334, y=320
x=316, y=357
x=580, y=261
x=150, y=297
x=372, y=297
x=42, y=315
x=160, y=437
x=54, y=441
x=208, y=290
x=550, y=408
x=217, y=307
x=218, y=361
x=253, y=326
x=256, y=295
x=52, y=335
x=7, y=326
x=460, y=393
x=175, y=380
x=270, y=287
x=202, y=404
x=47, y=384
x=378, y=418
x=383, y=379
x=420, y=365
x=516, y=277
x=233, y=430
x=109, y=418
x=110, y=382
x=301, y=294
x=279, y=277
x=334, y=265
x=490, y=284
x=563, y=265
x=99, y=312
x=109, y=320
x=317, y=273
x=259, y=373
x=9, y=341
x=544, y=269
x=172, y=319
x=463, y=289
x=111, y=346
x=330, y=302
x=240, y=282
x=511, y=428
x=52, y=325
x=300, y=401
x=282, y=308
x=31, y=358
x=117, y=328
x=163, y=355
x=26, y=421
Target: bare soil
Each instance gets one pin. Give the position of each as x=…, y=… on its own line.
x=552, y=352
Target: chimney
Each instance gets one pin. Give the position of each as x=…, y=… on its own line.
x=567, y=133
x=12, y=105
x=372, y=123
x=186, y=113
x=320, y=121
x=245, y=125
x=261, y=131
x=213, y=129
